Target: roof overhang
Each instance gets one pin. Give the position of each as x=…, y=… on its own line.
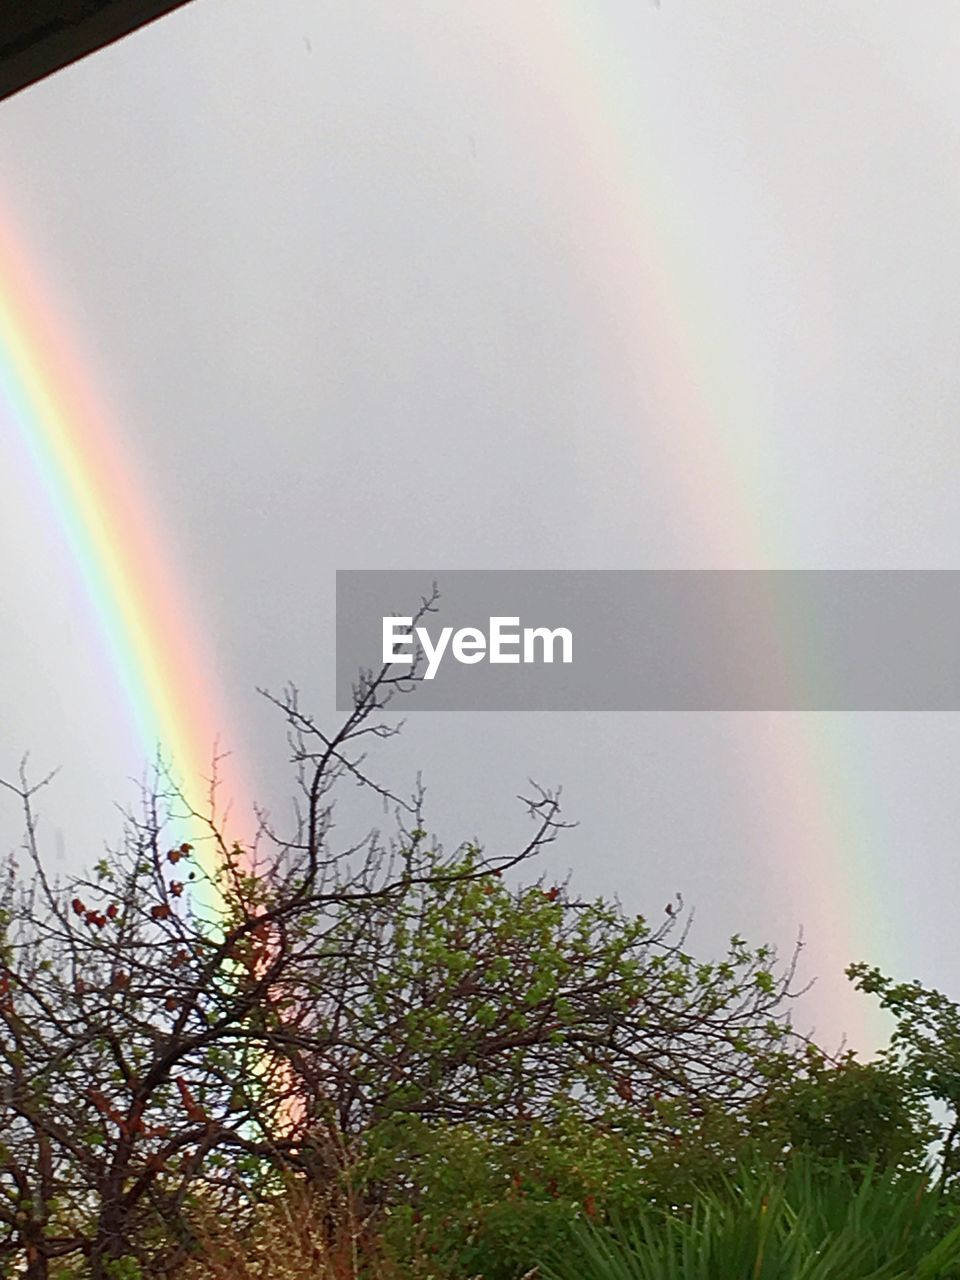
x=38, y=37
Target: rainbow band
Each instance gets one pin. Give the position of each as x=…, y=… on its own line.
x=114, y=538
x=675, y=358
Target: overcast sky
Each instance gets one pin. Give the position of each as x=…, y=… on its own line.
x=520, y=283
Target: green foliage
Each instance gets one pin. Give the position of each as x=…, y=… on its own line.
x=124, y=1269
x=494, y=1200
x=477, y=1063
x=855, y=1113
x=925, y=1043
x=485, y=1201
x=924, y=1053
x=813, y=1222
x=478, y=1000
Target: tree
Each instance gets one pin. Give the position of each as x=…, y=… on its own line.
x=152, y=1044
x=468, y=999
x=173, y=1039
x=924, y=1052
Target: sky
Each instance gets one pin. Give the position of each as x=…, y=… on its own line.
x=520, y=284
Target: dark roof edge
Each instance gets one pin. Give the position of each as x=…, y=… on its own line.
x=60, y=41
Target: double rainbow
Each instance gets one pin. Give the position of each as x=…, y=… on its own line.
x=672, y=336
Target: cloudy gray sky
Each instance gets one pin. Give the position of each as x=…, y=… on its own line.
x=526, y=283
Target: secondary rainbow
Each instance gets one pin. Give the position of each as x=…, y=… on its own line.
x=676, y=355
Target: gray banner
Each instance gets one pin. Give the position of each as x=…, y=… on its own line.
x=658, y=640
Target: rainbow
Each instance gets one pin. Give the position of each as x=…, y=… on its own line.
x=164, y=673
x=672, y=353
x=674, y=358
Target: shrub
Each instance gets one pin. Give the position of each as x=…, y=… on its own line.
x=812, y=1222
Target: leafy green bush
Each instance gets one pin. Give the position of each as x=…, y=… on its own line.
x=855, y=1113
x=489, y=1202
